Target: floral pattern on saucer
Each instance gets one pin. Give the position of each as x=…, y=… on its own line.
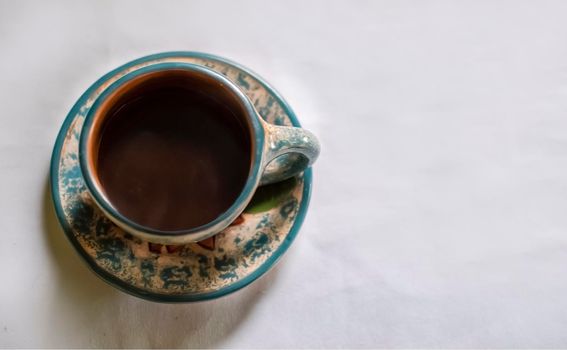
x=212, y=268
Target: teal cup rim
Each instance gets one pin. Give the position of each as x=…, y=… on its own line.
x=189, y=234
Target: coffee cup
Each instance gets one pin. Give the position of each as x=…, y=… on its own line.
x=173, y=152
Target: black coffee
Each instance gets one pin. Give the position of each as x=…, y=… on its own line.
x=173, y=157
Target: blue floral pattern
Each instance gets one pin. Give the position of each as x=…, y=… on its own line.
x=239, y=251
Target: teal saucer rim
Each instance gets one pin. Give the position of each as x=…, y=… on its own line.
x=117, y=282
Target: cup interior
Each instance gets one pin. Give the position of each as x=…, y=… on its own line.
x=170, y=145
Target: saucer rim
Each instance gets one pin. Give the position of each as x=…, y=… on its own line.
x=119, y=283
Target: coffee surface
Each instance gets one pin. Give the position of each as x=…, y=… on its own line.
x=173, y=159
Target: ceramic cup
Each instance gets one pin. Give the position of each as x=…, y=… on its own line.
x=277, y=152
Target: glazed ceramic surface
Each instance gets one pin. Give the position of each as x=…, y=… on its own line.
x=269, y=143
x=175, y=273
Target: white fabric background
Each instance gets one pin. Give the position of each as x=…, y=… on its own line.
x=438, y=216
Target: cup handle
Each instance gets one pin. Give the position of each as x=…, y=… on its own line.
x=289, y=151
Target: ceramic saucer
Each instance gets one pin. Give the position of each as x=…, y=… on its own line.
x=209, y=269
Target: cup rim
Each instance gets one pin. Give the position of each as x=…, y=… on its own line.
x=223, y=219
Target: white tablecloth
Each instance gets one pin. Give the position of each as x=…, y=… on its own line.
x=438, y=216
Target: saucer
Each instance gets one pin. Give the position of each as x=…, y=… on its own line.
x=209, y=269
